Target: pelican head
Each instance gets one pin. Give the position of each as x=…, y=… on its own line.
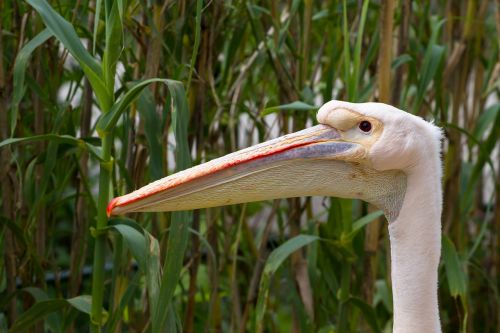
x=357, y=151
x=368, y=151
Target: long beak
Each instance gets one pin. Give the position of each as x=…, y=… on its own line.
x=314, y=161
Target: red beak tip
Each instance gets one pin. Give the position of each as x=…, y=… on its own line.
x=112, y=204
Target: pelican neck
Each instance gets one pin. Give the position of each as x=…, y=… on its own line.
x=415, y=251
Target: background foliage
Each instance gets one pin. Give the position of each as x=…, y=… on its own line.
x=79, y=125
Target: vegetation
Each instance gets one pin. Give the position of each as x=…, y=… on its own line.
x=83, y=120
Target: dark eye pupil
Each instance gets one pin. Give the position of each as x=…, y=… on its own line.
x=365, y=126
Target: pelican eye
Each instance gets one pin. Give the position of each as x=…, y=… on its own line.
x=365, y=126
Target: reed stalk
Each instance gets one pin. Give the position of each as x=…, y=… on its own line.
x=100, y=250
x=7, y=187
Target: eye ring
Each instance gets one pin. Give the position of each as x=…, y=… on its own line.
x=365, y=126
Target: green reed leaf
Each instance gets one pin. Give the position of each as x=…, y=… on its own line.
x=67, y=139
x=145, y=249
x=365, y=220
x=401, y=60
x=36, y=313
x=54, y=319
x=297, y=105
x=108, y=121
x=486, y=120
x=282, y=252
x=44, y=308
x=66, y=34
x=114, y=43
x=354, y=82
x=96, y=24
x=82, y=303
x=274, y=261
x=153, y=130
x=454, y=271
x=181, y=221
x=369, y=314
x=433, y=58
x=135, y=242
x=20, y=66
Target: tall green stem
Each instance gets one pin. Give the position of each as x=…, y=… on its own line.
x=100, y=238
x=346, y=271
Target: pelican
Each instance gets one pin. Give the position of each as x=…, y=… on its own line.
x=369, y=151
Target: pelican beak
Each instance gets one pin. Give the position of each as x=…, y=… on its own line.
x=314, y=161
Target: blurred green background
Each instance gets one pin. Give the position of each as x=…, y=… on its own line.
x=79, y=124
